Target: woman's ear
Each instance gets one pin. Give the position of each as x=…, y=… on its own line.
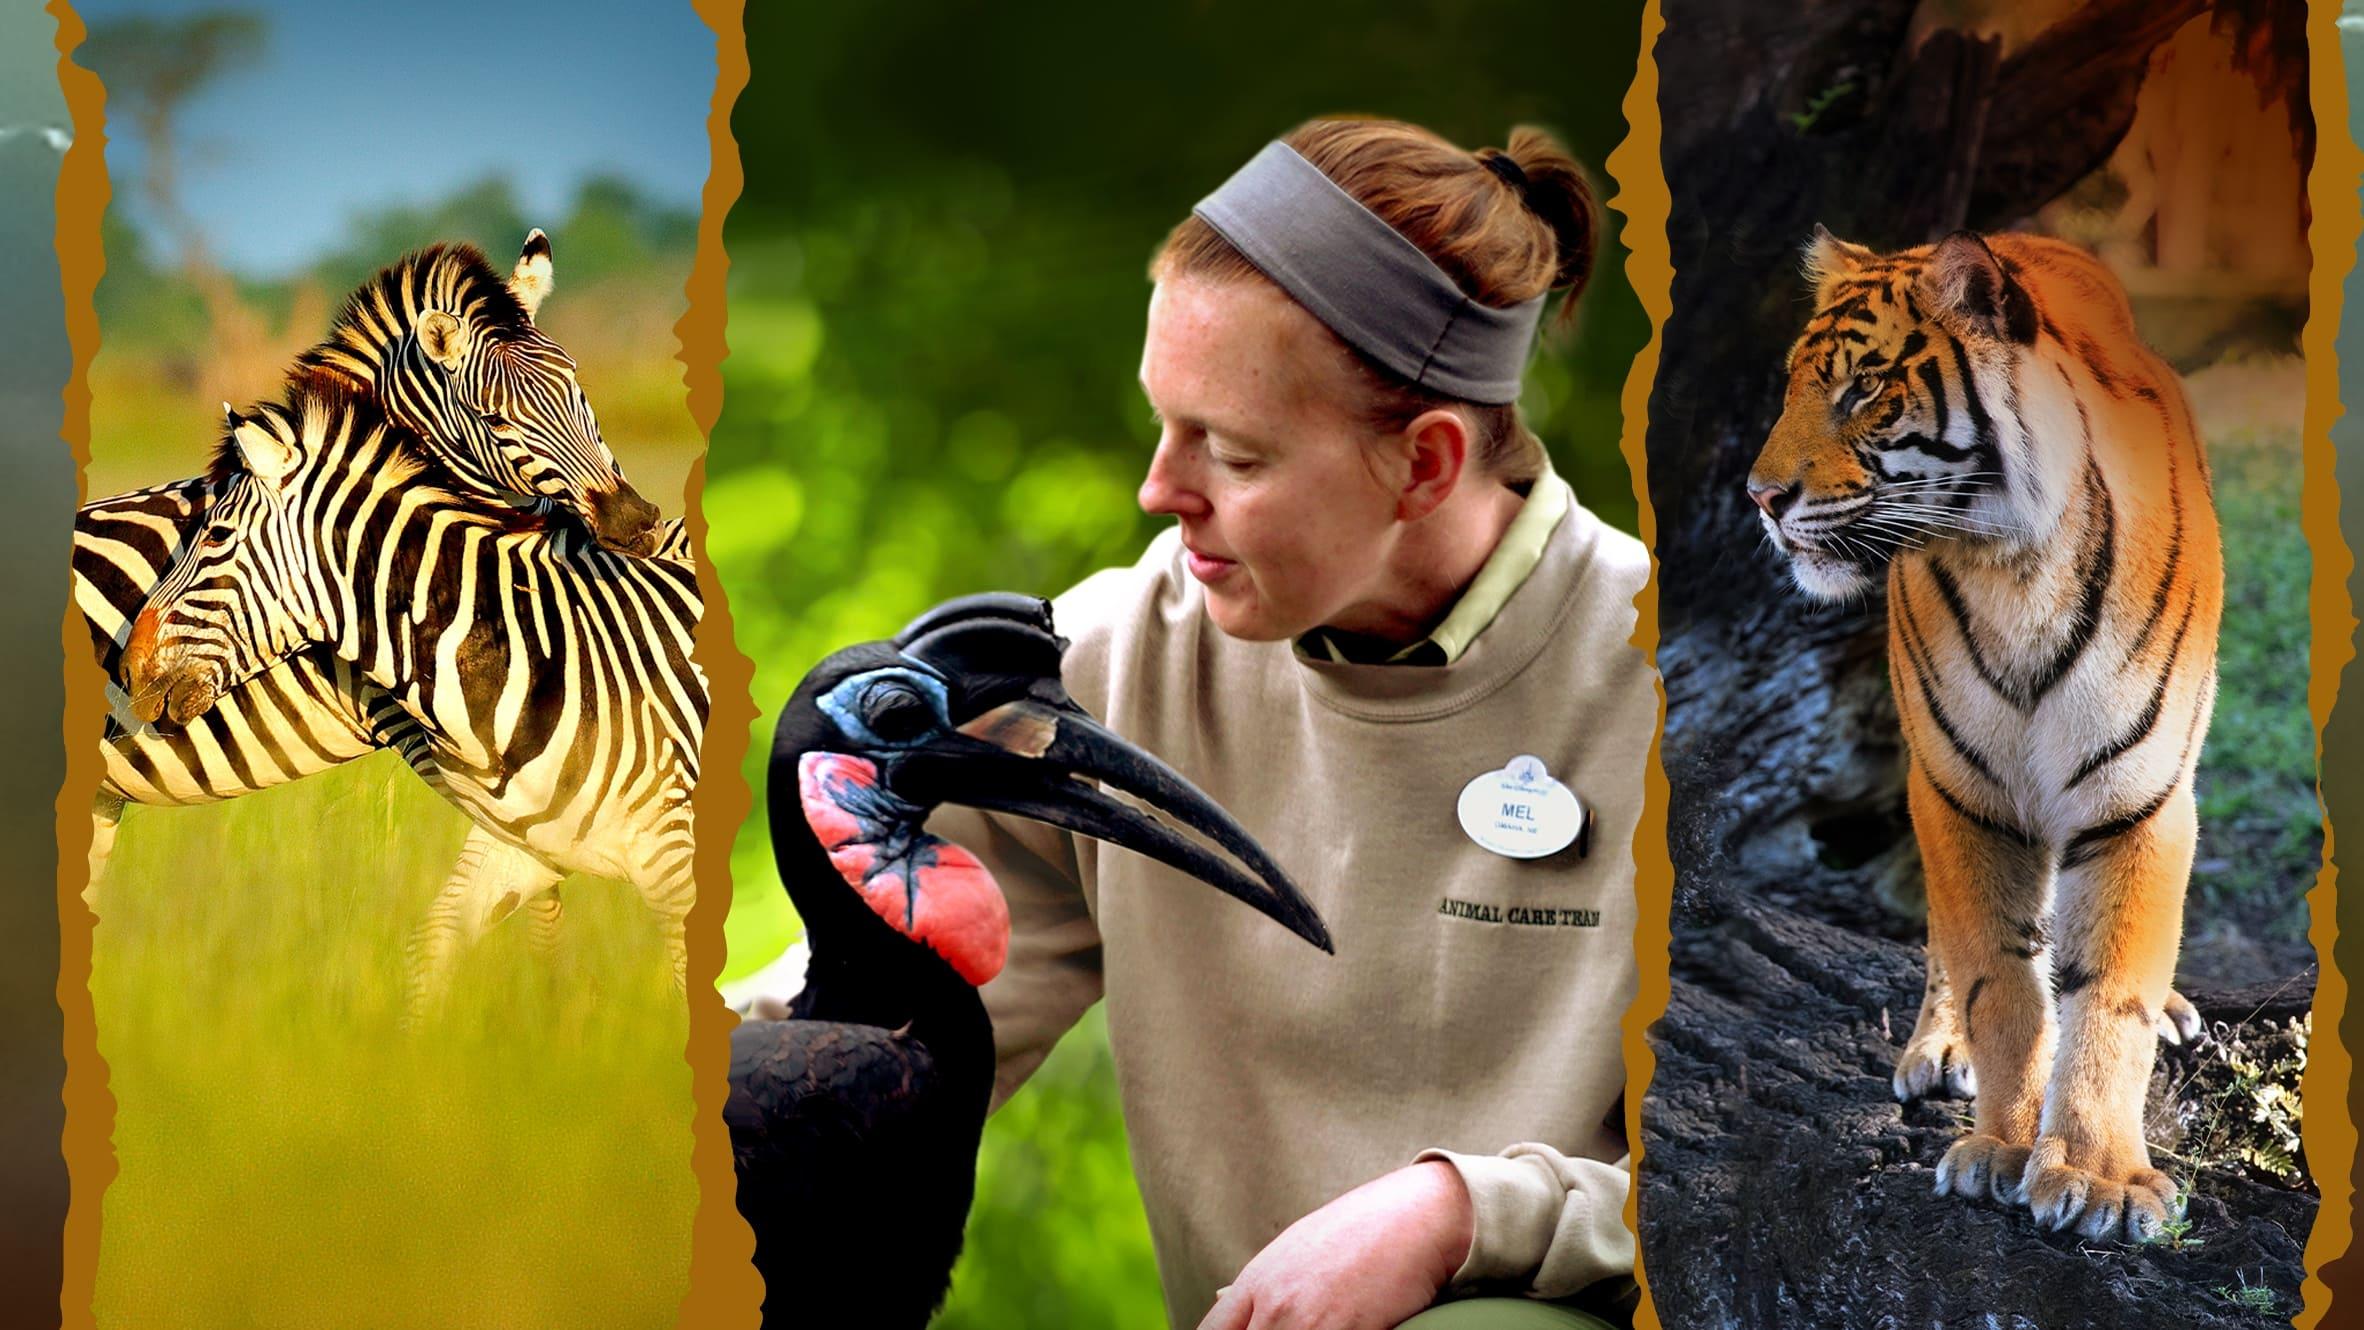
x=1437, y=447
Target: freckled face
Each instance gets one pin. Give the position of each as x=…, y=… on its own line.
x=1261, y=456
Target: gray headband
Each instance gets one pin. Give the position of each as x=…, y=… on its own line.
x=1368, y=284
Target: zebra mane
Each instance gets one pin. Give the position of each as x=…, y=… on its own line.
x=316, y=390
x=322, y=390
x=451, y=276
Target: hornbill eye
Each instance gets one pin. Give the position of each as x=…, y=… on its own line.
x=895, y=711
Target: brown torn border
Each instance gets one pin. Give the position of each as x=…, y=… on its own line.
x=88, y=1142
x=724, y=1290
x=2329, y=1132
x=1643, y=198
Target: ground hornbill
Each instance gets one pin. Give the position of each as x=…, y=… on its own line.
x=854, y=1122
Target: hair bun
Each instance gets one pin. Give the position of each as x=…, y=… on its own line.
x=1501, y=164
x=1555, y=191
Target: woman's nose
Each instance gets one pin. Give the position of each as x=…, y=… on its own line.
x=1167, y=489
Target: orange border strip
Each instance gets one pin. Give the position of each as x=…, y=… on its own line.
x=2329, y=1134
x=724, y=1290
x=1643, y=198
x=88, y=1141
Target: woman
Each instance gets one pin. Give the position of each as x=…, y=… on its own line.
x=1376, y=593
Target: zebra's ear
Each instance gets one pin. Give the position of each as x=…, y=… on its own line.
x=1968, y=283
x=444, y=338
x=531, y=280
x=265, y=455
x=1827, y=259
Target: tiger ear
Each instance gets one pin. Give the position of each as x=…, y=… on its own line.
x=1968, y=285
x=1827, y=259
x=444, y=338
x=265, y=455
x=533, y=278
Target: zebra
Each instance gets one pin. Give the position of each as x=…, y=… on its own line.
x=451, y=352
x=550, y=680
x=313, y=711
x=304, y=715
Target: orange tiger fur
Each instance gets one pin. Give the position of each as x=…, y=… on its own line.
x=1977, y=421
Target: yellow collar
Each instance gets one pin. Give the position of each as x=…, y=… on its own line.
x=1505, y=570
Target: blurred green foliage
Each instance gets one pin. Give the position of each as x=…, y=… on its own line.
x=938, y=284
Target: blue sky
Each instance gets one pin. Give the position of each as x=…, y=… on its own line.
x=353, y=106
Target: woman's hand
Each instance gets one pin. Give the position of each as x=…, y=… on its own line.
x=1366, y=1261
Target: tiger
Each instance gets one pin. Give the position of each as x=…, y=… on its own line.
x=1977, y=422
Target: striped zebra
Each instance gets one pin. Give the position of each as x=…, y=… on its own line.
x=451, y=352
x=550, y=680
x=313, y=711
x=304, y=715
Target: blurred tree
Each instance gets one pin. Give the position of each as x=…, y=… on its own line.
x=152, y=66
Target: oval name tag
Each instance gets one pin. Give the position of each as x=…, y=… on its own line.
x=1522, y=813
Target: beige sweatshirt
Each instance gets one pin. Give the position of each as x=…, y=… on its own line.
x=1473, y=1005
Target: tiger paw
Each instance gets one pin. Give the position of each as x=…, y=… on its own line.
x=2125, y=1205
x=1934, y=1062
x=2180, y=1023
x=1979, y=1166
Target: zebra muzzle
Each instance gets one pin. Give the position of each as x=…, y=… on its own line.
x=624, y=521
x=181, y=691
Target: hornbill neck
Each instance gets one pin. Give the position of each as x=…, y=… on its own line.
x=863, y=972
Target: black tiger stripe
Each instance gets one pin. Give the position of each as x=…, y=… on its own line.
x=1991, y=826
x=1982, y=422
x=2032, y=939
x=2149, y=719
x=2097, y=576
x=2158, y=610
x=1917, y=660
x=1951, y=593
x=2069, y=977
x=1933, y=379
x=2091, y=841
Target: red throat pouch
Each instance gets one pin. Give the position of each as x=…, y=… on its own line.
x=927, y=888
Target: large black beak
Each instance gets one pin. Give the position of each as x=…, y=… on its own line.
x=1022, y=757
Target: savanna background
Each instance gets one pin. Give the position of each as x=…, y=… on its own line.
x=289, y=1155
x=938, y=288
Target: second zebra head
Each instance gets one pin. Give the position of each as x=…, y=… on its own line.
x=292, y=549
x=453, y=354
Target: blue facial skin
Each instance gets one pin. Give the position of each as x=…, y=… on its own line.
x=842, y=703
x=889, y=823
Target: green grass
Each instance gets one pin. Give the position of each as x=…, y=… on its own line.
x=2261, y=831
x=292, y=1157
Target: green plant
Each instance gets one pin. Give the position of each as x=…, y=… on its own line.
x=1804, y=121
x=2176, y=1234
x=2257, y=1299
x=2239, y=1105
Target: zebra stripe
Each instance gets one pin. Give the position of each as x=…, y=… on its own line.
x=451, y=351
x=550, y=679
